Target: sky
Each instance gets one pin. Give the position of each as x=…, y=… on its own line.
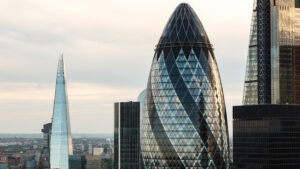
x=108, y=46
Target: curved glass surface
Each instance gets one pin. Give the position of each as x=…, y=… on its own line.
x=184, y=120
x=61, y=141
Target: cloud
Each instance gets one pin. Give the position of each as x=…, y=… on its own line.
x=108, y=47
x=88, y=103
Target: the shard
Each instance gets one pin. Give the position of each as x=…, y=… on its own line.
x=184, y=116
x=61, y=141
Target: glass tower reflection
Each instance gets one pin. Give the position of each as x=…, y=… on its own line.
x=61, y=141
x=184, y=119
x=272, y=75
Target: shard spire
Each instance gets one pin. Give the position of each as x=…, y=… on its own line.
x=61, y=141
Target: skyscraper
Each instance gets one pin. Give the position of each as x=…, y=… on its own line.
x=266, y=128
x=273, y=64
x=250, y=88
x=127, y=135
x=184, y=120
x=45, y=160
x=61, y=141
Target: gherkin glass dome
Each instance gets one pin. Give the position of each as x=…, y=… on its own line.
x=184, y=114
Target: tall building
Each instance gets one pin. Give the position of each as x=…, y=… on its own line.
x=266, y=128
x=46, y=135
x=127, y=135
x=266, y=136
x=273, y=64
x=185, y=121
x=61, y=141
x=45, y=156
x=250, y=88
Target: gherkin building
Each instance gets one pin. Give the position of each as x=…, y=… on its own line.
x=184, y=116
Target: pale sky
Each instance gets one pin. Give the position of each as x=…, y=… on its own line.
x=108, y=47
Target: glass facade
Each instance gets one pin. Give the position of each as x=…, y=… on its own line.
x=266, y=137
x=250, y=88
x=273, y=64
x=184, y=119
x=297, y=51
x=282, y=73
x=127, y=135
x=61, y=141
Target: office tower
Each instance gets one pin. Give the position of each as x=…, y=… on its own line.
x=45, y=156
x=61, y=141
x=265, y=128
x=127, y=135
x=273, y=64
x=266, y=136
x=46, y=135
x=185, y=121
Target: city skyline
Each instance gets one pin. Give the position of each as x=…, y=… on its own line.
x=92, y=92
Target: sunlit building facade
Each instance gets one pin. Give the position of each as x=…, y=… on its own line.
x=273, y=64
x=266, y=128
x=184, y=116
x=61, y=141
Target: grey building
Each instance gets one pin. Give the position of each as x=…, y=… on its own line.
x=127, y=135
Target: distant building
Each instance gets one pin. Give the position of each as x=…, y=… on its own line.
x=46, y=135
x=32, y=161
x=4, y=166
x=44, y=161
x=266, y=137
x=77, y=162
x=127, y=135
x=14, y=161
x=61, y=141
x=92, y=162
x=106, y=163
x=90, y=149
x=98, y=150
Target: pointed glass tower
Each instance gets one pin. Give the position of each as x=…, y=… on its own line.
x=184, y=117
x=61, y=141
